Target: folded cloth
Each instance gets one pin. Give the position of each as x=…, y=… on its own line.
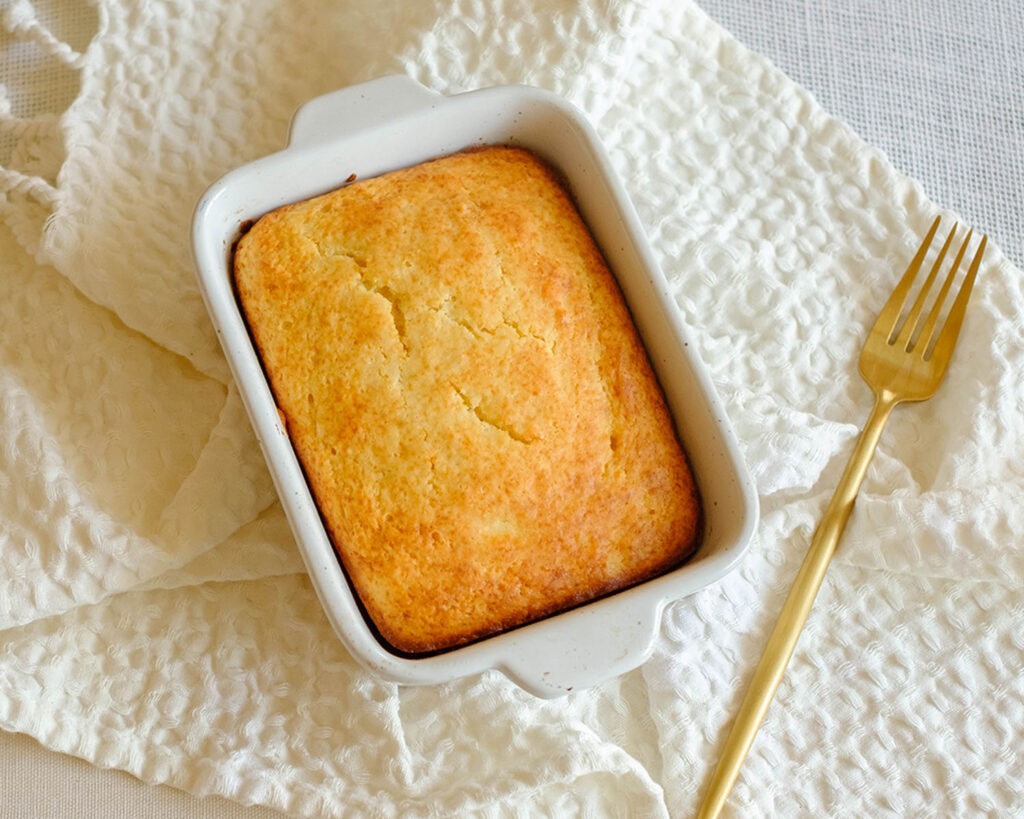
x=155, y=616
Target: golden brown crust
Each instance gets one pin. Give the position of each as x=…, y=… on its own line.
x=465, y=389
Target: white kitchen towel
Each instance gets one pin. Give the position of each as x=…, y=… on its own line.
x=155, y=614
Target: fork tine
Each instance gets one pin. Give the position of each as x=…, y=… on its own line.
x=925, y=337
x=890, y=315
x=907, y=334
x=944, y=344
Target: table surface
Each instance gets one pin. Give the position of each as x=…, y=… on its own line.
x=938, y=88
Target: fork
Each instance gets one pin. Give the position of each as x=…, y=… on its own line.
x=904, y=359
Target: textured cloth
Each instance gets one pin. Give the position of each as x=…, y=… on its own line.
x=155, y=615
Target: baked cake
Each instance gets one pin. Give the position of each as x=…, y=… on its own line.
x=464, y=387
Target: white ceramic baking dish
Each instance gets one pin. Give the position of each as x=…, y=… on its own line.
x=394, y=122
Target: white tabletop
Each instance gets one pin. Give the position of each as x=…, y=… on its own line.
x=938, y=86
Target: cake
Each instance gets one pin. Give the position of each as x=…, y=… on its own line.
x=472, y=406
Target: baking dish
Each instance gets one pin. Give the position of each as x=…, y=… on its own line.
x=393, y=122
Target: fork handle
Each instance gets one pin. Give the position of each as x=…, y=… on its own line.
x=794, y=612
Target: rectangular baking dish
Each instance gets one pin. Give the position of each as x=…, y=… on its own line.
x=394, y=122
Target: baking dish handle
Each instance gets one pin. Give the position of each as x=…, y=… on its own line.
x=602, y=643
x=357, y=108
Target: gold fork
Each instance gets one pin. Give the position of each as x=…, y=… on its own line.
x=902, y=360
